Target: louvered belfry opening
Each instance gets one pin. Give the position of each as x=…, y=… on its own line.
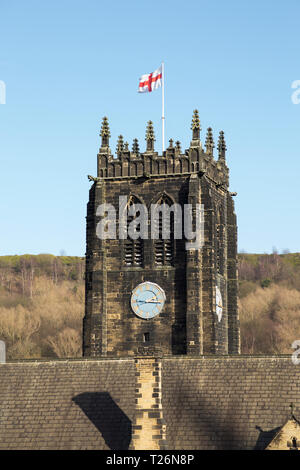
x=133, y=249
x=164, y=248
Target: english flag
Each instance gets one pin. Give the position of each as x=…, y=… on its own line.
x=150, y=81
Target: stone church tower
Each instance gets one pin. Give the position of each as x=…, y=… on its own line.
x=193, y=291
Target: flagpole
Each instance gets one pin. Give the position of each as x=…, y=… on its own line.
x=163, y=106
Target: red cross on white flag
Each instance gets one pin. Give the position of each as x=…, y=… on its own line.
x=150, y=81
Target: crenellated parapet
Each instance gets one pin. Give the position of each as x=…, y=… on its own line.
x=134, y=164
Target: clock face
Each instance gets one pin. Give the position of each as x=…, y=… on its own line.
x=147, y=300
x=219, y=304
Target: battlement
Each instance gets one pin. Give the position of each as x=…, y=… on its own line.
x=134, y=164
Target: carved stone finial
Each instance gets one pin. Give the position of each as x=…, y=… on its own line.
x=105, y=133
x=222, y=146
x=126, y=147
x=120, y=145
x=196, y=127
x=170, y=144
x=135, y=147
x=150, y=137
x=178, y=146
x=209, y=142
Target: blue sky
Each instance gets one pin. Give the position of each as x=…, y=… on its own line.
x=68, y=63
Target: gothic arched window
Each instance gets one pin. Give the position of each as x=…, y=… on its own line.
x=164, y=229
x=133, y=252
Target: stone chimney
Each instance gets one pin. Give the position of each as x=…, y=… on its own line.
x=149, y=429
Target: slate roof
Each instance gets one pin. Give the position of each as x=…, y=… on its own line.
x=66, y=404
x=209, y=402
x=228, y=403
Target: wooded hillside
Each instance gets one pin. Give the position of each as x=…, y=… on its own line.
x=41, y=305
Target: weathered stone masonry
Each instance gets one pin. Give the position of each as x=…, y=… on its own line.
x=149, y=427
x=188, y=323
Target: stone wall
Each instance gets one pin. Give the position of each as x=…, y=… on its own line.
x=188, y=323
x=149, y=429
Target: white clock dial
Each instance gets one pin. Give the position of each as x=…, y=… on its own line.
x=219, y=304
x=147, y=300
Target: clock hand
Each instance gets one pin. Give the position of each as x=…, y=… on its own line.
x=150, y=301
x=147, y=300
x=153, y=300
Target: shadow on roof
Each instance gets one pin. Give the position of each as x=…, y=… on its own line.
x=107, y=417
